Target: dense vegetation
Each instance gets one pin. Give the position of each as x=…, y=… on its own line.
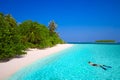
x=15, y=38
x=111, y=41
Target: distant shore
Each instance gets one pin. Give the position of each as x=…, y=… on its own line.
x=10, y=67
x=105, y=41
x=93, y=43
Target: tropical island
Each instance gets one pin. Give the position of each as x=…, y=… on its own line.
x=16, y=37
x=59, y=40
x=105, y=41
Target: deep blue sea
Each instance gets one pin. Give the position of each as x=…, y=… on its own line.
x=72, y=64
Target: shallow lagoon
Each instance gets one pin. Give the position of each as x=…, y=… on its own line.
x=72, y=64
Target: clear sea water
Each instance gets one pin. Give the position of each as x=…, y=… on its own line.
x=72, y=64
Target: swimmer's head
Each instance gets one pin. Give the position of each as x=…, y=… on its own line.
x=89, y=62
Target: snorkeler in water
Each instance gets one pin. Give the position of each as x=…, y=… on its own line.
x=98, y=65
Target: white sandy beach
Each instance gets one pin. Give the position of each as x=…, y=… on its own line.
x=10, y=67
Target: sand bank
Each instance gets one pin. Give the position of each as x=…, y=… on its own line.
x=10, y=67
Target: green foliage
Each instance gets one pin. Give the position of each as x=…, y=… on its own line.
x=34, y=34
x=37, y=35
x=10, y=45
x=14, y=39
x=55, y=39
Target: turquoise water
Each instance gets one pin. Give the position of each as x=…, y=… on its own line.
x=72, y=64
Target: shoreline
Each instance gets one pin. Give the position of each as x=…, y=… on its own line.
x=15, y=64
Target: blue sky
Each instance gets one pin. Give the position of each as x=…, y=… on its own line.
x=78, y=20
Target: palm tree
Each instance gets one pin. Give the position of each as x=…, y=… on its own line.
x=52, y=26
